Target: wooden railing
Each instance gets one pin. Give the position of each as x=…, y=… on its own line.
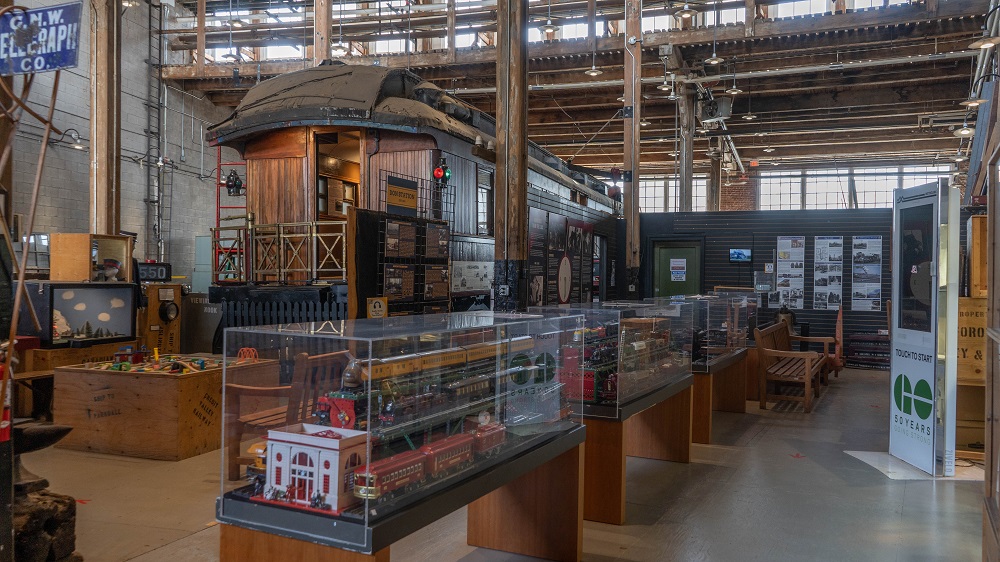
x=281, y=253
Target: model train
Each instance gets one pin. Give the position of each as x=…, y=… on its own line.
x=417, y=386
x=383, y=478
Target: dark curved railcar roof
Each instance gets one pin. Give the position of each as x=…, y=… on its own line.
x=334, y=93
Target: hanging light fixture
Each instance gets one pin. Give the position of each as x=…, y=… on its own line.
x=686, y=13
x=959, y=156
x=234, y=20
x=232, y=54
x=594, y=71
x=340, y=49
x=986, y=42
x=972, y=101
x=549, y=27
x=768, y=149
x=749, y=115
x=715, y=59
x=734, y=90
x=966, y=131
x=644, y=123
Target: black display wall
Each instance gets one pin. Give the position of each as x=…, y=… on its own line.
x=758, y=230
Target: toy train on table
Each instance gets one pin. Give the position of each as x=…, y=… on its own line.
x=382, y=478
x=412, y=388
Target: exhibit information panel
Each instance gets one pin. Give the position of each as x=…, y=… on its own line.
x=924, y=327
x=377, y=418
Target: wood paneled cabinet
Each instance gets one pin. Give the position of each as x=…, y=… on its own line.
x=85, y=257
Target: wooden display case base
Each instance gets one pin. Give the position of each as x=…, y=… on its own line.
x=237, y=544
x=539, y=514
x=722, y=389
x=660, y=432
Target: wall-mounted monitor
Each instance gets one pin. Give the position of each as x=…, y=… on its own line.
x=739, y=255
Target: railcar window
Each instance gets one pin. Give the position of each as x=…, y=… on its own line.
x=484, y=202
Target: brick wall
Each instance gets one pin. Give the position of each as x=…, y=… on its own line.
x=739, y=195
x=65, y=199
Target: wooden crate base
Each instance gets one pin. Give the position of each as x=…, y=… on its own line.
x=149, y=415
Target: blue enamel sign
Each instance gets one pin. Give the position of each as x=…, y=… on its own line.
x=40, y=40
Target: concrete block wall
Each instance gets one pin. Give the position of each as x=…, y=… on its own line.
x=187, y=177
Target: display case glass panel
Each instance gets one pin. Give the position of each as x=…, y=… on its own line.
x=630, y=349
x=722, y=325
x=374, y=417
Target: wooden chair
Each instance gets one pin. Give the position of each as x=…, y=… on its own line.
x=835, y=359
x=777, y=363
x=312, y=376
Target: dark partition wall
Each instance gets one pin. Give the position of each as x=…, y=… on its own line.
x=758, y=231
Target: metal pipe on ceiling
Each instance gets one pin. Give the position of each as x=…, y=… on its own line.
x=790, y=71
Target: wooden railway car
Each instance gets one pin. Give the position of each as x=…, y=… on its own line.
x=320, y=141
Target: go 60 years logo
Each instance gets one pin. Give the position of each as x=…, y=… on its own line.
x=911, y=399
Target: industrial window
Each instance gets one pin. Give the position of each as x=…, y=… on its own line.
x=659, y=194
x=920, y=175
x=831, y=188
x=699, y=194
x=652, y=195
x=484, y=202
x=390, y=46
x=874, y=186
x=826, y=190
x=780, y=190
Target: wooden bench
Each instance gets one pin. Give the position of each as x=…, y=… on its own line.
x=312, y=376
x=777, y=363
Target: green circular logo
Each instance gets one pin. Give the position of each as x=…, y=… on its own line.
x=911, y=399
x=520, y=375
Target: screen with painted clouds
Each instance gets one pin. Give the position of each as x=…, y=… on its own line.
x=100, y=312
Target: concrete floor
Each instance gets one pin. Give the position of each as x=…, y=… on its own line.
x=776, y=485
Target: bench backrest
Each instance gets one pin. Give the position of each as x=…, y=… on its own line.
x=314, y=376
x=774, y=337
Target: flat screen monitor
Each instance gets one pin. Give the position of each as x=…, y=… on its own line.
x=739, y=255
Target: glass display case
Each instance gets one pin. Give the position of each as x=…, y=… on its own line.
x=723, y=325
x=723, y=321
x=630, y=349
x=376, y=419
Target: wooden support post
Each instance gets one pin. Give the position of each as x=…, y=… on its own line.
x=105, y=116
x=604, y=471
x=451, y=30
x=751, y=15
x=663, y=431
x=237, y=544
x=686, y=108
x=511, y=189
x=199, y=55
x=539, y=514
x=591, y=24
x=633, y=116
x=323, y=26
x=714, y=193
